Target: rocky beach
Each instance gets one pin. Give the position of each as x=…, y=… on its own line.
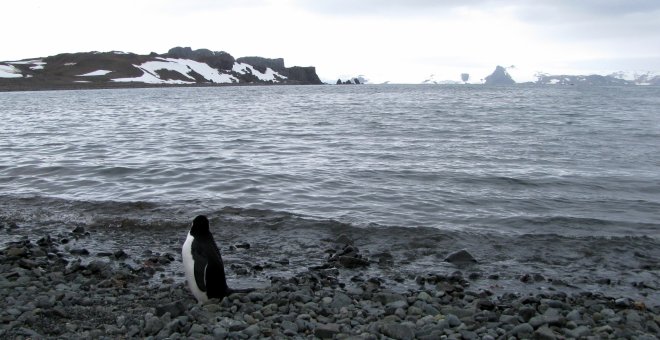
x=122, y=278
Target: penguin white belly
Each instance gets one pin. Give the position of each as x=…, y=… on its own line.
x=189, y=268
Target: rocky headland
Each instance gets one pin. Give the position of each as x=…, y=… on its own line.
x=180, y=66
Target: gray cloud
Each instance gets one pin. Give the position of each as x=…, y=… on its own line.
x=607, y=8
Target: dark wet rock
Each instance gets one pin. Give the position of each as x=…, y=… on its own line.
x=120, y=254
x=485, y=304
x=16, y=251
x=327, y=331
x=242, y=246
x=461, y=257
x=78, y=230
x=45, y=241
x=527, y=313
x=344, y=240
x=352, y=262
x=81, y=251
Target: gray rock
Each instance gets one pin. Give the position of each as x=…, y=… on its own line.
x=220, y=332
x=340, y=300
x=252, y=331
x=424, y=296
x=398, y=331
x=548, y=318
x=468, y=335
x=290, y=326
x=30, y=333
x=460, y=257
x=196, y=329
x=522, y=329
x=452, y=320
x=175, y=309
x=578, y=332
x=384, y=298
x=544, y=333
x=152, y=325
x=396, y=304
x=16, y=251
x=232, y=325
x=574, y=315
x=326, y=331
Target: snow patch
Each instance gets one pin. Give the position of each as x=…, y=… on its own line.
x=206, y=71
x=150, y=78
x=25, y=62
x=38, y=65
x=9, y=71
x=269, y=75
x=95, y=73
x=181, y=66
x=69, y=64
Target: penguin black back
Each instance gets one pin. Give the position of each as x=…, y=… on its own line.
x=209, y=270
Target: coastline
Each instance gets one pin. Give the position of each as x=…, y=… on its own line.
x=74, y=281
x=13, y=87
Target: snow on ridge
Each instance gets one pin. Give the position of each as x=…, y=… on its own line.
x=9, y=71
x=269, y=75
x=39, y=65
x=95, y=73
x=25, y=62
x=206, y=71
x=150, y=78
x=181, y=66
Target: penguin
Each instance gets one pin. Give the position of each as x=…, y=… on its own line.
x=203, y=265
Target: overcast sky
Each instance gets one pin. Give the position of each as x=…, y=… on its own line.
x=395, y=40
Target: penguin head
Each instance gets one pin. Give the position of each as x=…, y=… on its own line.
x=200, y=226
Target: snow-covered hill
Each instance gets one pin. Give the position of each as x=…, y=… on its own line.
x=178, y=66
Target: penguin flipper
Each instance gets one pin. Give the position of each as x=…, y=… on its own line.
x=200, y=273
x=215, y=280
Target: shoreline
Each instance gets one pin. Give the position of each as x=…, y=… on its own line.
x=12, y=87
x=56, y=287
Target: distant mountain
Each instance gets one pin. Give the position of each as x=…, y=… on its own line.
x=499, y=77
x=179, y=66
x=593, y=79
x=433, y=80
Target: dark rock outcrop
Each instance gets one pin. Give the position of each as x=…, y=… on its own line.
x=303, y=75
x=261, y=64
x=499, y=77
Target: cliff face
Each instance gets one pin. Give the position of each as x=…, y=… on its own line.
x=303, y=75
x=180, y=65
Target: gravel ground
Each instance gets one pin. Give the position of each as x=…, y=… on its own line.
x=50, y=290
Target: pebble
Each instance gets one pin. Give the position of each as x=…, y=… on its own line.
x=398, y=331
x=107, y=298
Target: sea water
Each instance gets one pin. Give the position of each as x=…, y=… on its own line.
x=516, y=159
